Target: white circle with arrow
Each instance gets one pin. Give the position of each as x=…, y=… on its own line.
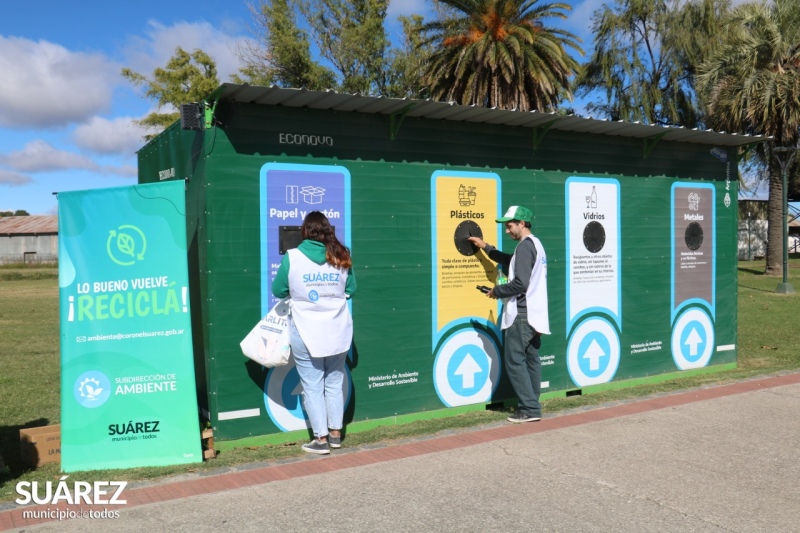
x=692, y=339
x=467, y=368
x=593, y=353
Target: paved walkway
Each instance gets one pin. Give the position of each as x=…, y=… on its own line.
x=720, y=459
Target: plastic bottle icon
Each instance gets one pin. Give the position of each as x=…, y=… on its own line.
x=463, y=199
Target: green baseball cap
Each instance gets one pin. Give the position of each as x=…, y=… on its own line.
x=517, y=212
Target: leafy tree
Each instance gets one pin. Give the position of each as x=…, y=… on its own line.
x=500, y=53
x=645, y=58
x=186, y=78
x=404, y=75
x=281, y=55
x=348, y=34
x=17, y=213
x=752, y=85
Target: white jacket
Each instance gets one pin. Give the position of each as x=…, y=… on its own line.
x=536, y=294
x=319, y=305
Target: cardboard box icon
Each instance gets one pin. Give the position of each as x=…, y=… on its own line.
x=41, y=445
x=312, y=195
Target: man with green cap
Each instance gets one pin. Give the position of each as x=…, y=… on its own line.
x=525, y=316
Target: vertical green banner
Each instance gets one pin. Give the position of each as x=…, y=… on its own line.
x=128, y=395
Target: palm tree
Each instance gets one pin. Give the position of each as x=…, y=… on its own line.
x=752, y=85
x=499, y=53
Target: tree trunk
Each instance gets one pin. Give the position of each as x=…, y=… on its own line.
x=775, y=220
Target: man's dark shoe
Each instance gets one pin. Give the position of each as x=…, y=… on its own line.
x=519, y=416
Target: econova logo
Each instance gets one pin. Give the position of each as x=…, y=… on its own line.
x=92, y=389
x=126, y=245
x=51, y=493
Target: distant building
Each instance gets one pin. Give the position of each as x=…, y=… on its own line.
x=753, y=227
x=28, y=239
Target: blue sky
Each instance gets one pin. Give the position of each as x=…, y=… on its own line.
x=66, y=114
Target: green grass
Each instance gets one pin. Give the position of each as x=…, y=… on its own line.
x=21, y=271
x=29, y=374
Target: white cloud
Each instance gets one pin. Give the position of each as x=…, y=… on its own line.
x=125, y=171
x=145, y=54
x=45, y=85
x=41, y=156
x=13, y=179
x=120, y=136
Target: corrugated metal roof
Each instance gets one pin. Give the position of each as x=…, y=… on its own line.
x=33, y=225
x=331, y=100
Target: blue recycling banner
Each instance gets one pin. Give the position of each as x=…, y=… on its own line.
x=128, y=396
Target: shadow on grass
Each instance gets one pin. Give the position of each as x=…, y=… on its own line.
x=757, y=272
x=10, y=449
x=743, y=286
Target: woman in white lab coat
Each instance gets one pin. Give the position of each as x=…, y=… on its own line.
x=319, y=278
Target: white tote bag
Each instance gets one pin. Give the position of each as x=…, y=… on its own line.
x=268, y=342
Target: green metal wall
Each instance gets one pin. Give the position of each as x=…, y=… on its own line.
x=392, y=243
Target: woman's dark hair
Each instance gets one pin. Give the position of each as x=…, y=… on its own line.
x=317, y=228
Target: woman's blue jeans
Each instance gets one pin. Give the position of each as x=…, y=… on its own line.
x=321, y=379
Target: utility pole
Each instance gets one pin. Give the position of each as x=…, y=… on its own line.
x=786, y=161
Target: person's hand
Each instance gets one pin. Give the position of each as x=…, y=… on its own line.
x=477, y=241
x=491, y=295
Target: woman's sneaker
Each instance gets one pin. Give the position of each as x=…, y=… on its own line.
x=317, y=447
x=334, y=441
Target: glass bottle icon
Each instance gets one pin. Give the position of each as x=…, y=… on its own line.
x=593, y=198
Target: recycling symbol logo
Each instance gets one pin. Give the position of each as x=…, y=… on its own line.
x=126, y=245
